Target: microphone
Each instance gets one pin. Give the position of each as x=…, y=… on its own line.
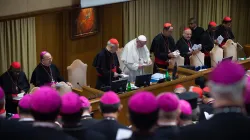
x=242, y=49
x=95, y=96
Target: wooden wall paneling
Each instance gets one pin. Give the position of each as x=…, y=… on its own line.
x=53, y=35
x=49, y=37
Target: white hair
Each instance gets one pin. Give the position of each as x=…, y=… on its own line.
x=63, y=88
x=196, y=113
x=233, y=92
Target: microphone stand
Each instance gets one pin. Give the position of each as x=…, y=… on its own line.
x=95, y=96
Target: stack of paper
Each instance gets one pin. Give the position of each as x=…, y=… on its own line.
x=220, y=39
x=196, y=47
x=176, y=53
x=158, y=76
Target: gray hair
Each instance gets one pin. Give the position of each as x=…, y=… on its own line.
x=168, y=115
x=233, y=92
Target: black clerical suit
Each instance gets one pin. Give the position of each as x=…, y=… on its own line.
x=205, y=108
x=106, y=64
x=226, y=125
x=108, y=127
x=226, y=33
x=184, y=46
x=45, y=75
x=51, y=133
x=207, y=42
x=143, y=136
x=81, y=133
x=87, y=121
x=167, y=132
x=13, y=86
x=161, y=47
x=196, y=35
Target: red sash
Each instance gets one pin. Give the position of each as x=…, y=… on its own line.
x=2, y=111
x=160, y=62
x=222, y=43
x=113, y=70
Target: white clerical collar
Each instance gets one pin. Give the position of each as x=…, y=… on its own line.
x=26, y=119
x=44, y=124
x=167, y=123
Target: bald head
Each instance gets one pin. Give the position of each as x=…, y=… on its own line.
x=46, y=59
x=187, y=33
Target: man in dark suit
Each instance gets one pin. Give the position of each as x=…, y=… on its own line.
x=196, y=31
x=229, y=122
x=87, y=120
x=13, y=82
x=110, y=106
x=71, y=111
x=162, y=46
x=225, y=30
x=208, y=41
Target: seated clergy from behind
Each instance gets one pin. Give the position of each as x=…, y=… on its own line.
x=86, y=118
x=45, y=72
x=229, y=121
x=24, y=110
x=13, y=82
x=143, y=114
x=107, y=64
x=168, y=116
x=110, y=106
x=2, y=104
x=135, y=57
x=71, y=111
x=185, y=117
x=45, y=107
x=208, y=40
x=163, y=46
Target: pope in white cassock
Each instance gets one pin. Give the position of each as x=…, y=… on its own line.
x=135, y=57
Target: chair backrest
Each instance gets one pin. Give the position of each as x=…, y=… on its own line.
x=77, y=73
x=179, y=60
x=216, y=55
x=119, y=53
x=197, y=59
x=230, y=49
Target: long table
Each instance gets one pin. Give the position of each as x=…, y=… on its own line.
x=187, y=79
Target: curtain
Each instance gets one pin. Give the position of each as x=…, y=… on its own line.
x=18, y=43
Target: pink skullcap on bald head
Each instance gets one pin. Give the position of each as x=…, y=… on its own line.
x=71, y=103
x=110, y=98
x=185, y=29
x=227, y=72
x=185, y=107
x=25, y=102
x=85, y=102
x=143, y=102
x=227, y=19
x=168, y=102
x=45, y=100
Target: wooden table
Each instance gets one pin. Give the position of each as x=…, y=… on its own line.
x=187, y=79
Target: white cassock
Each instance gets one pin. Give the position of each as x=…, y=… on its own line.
x=133, y=57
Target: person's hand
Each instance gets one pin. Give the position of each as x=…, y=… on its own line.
x=140, y=66
x=69, y=84
x=195, y=52
x=171, y=55
x=116, y=74
x=216, y=42
x=149, y=63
